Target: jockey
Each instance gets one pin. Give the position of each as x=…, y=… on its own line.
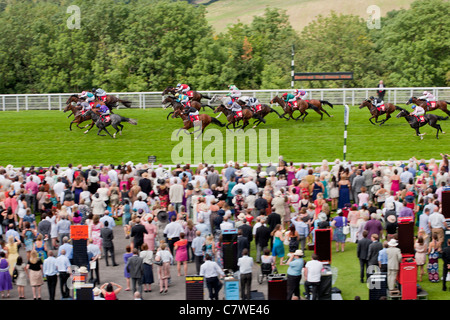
x=101, y=94
x=234, y=93
x=377, y=102
x=183, y=99
x=235, y=108
x=289, y=97
x=193, y=113
x=427, y=96
x=300, y=94
x=252, y=103
x=417, y=111
x=89, y=96
x=181, y=87
x=85, y=107
x=104, y=111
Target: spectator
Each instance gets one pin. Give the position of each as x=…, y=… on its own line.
x=394, y=257
x=373, y=226
x=245, y=264
x=374, y=249
x=164, y=256
x=147, y=256
x=312, y=271
x=21, y=280
x=50, y=271
x=211, y=271
x=362, y=252
x=5, y=276
x=294, y=274
x=35, y=275
x=63, y=266
x=107, y=235
x=94, y=255
x=136, y=269
x=172, y=232
x=181, y=254
x=137, y=233
x=109, y=292
x=126, y=274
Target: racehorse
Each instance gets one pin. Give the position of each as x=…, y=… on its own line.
x=260, y=112
x=193, y=95
x=246, y=115
x=115, y=122
x=169, y=100
x=389, y=108
x=203, y=119
x=303, y=105
x=430, y=119
x=111, y=102
x=287, y=108
x=78, y=117
x=428, y=106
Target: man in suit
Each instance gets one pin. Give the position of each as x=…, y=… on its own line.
x=362, y=251
x=357, y=183
x=381, y=90
x=145, y=183
x=272, y=220
x=137, y=233
x=262, y=237
x=374, y=249
x=394, y=256
x=107, y=235
x=135, y=266
x=247, y=232
x=368, y=179
x=242, y=243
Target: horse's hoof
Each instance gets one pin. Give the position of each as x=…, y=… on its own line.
x=86, y=131
x=443, y=132
x=114, y=135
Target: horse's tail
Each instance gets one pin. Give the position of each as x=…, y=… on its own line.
x=442, y=118
x=273, y=110
x=129, y=120
x=215, y=121
x=326, y=102
x=126, y=103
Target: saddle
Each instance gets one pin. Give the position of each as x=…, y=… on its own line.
x=190, y=93
x=257, y=108
x=194, y=118
x=106, y=118
x=103, y=98
x=238, y=114
x=420, y=118
x=293, y=105
x=381, y=108
x=431, y=104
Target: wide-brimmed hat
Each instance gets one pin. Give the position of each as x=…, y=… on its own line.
x=96, y=291
x=241, y=216
x=83, y=269
x=390, y=206
x=391, y=218
x=322, y=216
x=393, y=243
x=298, y=253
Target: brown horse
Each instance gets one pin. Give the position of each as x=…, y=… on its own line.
x=259, y=112
x=246, y=116
x=427, y=106
x=389, y=108
x=287, y=108
x=78, y=117
x=172, y=101
x=203, y=121
x=111, y=102
x=303, y=105
x=193, y=95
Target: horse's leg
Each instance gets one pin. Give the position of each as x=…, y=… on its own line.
x=306, y=113
x=320, y=113
x=387, y=118
x=92, y=124
x=322, y=109
x=108, y=133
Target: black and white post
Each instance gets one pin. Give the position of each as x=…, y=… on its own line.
x=346, y=116
x=292, y=68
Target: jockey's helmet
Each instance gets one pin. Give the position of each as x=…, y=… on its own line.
x=413, y=106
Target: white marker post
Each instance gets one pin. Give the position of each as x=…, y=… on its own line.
x=346, y=116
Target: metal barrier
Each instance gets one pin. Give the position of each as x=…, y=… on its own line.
x=143, y=100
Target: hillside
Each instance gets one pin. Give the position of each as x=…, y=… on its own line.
x=223, y=13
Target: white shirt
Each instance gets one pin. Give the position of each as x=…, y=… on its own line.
x=210, y=269
x=436, y=220
x=173, y=230
x=314, y=268
x=112, y=174
x=226, y=226
x=245, y=264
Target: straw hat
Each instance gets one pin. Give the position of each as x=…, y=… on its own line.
x=83, y=269
x=96, y=291
x=298, y=253
x=392, y=243
x=391, y=218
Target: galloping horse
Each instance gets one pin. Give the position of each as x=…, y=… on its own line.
x=430, y=119
x=193, y=95
x=246, y=115
x=111, y=102
x=303, y=105
x=78, y=117
x=260, y=113
x=389, y=108
x=115, y=122
x=288, y=109
x=440, y=104
x=203, y=119
x=172, y=101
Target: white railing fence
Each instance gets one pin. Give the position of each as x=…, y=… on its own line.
x=143, y=100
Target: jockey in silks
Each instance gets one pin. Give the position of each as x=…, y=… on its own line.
x=85, y=107
x=235, y=108
x=89, y=96
x=181, y=87
x=183, y=99
x=234, y=93
x=300, y=94
x=377, y=102
x=104, y=112
x=431, y=100
x=418, y=111
x=192, y=112
x=252, y=103
x=100, y=94
x=289, y=98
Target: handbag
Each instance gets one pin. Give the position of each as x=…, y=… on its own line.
x=158, y=261
x=345, y=228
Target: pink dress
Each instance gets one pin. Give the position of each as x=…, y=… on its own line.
x=149, y=237
x=95, y=234
x=395, y=186
x=181, y=254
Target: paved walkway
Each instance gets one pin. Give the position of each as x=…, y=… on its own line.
x=177, y=288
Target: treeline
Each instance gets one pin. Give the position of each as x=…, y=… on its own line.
x=135, y=45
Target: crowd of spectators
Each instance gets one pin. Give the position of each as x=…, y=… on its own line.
x=176, y=216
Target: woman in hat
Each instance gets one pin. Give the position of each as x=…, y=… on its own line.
x=294, y=274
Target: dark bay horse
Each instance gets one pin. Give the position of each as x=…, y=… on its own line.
x=389, y=108
x=430, y=119
x=303, y=105
x=246, y=116
x=440, y=104
x=259, y=112
x=288, y=109
x=115, y=122
x=111, y=102
x=203, y=119
x=172, y=101
x=78, y=117
x=193, y=95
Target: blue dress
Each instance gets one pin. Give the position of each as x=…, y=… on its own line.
x=344, y=196
x=278, y=248
x=126, y=256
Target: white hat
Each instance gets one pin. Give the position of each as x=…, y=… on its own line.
x=392, y=218
x=96, y=291
x=263, y=174
x=83, y=269
x=241, y=216
x=298, y=253
x=390, y=206
x=393, y=243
